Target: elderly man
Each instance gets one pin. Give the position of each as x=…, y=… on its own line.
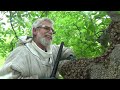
x=34, y=57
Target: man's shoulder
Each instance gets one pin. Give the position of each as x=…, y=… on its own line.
x=55, y=46
x=19, y=49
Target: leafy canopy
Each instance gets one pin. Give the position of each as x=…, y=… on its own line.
x=78, y=29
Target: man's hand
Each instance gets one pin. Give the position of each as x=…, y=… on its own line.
x=71, y=57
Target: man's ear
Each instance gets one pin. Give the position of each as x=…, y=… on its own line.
x=34, y=31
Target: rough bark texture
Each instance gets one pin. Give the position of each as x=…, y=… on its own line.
x=106, y=66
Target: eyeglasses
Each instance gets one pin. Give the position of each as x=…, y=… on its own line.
x=47, y=28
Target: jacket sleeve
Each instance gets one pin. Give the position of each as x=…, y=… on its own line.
x=15, y=66
x=6, y=72
x=66, y=52
x=17, y=75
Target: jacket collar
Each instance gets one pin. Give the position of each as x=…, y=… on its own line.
x=38, y=51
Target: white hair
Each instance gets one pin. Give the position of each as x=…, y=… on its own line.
x=40, y=20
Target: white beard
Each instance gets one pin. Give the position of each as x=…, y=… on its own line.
x=44, y=42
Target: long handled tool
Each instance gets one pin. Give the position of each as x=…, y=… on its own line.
x=57, y=61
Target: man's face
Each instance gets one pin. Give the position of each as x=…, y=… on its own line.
x=44, y=33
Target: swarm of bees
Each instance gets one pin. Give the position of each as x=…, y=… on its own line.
x=80, y=69
x=75, y=70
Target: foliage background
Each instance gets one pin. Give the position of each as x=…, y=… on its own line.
x=78, y=29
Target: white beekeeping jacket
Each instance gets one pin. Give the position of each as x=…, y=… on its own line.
x=29, y=61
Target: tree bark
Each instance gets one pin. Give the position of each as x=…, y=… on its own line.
x=106, y=66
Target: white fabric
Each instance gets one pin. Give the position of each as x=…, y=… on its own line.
x=45, y=56
x=29, y=61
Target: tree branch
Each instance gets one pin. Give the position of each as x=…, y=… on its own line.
x=113, y=15
x=12, y=24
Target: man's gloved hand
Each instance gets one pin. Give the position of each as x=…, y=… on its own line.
x=71, y=57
